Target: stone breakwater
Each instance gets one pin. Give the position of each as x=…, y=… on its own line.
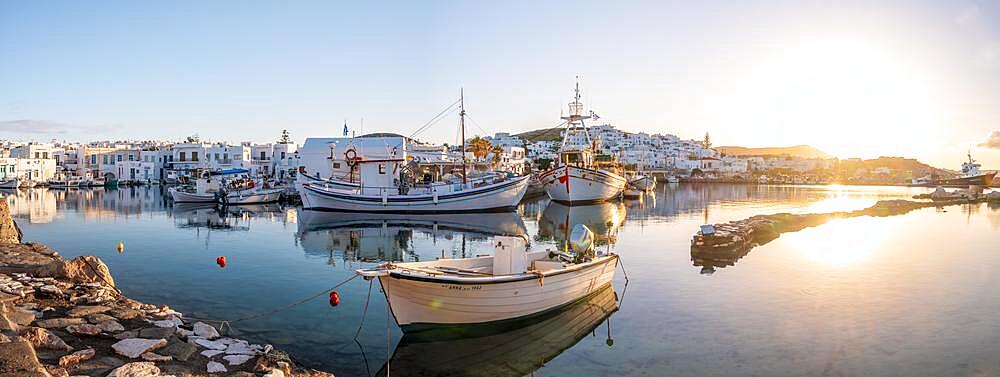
x=67, y=318
x=742, y=235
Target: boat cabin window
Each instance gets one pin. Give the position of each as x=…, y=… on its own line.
x=572, y=158
x=336, y=165
x=381, y=168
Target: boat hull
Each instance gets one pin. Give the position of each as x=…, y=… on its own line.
x=9, y=184
x=979, y=180
x=420, y=303
x=576, y=185
x=254, y=197
x=190, y=197
x=501, y=196
x=644, y=183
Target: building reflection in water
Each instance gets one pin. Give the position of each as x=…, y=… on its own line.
x=517, y=349
x=37, y=206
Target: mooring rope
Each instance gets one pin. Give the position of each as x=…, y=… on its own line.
x=228, y=323
x=364, y=313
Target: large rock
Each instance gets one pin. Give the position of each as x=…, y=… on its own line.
x=76, y=357
x=59, y=322
x=42, y=338
x=179, y=350
x=139, y=369
x=82, y=269
x=19, y=359
x=205, y=330
x=157, y=332
x=85, y=310
x=9, y=232
x=135, y=347
x=83, y=329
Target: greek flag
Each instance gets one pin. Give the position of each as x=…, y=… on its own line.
x=593, y=115
x=345, y=128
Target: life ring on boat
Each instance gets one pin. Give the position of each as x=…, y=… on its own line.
x=351, y=156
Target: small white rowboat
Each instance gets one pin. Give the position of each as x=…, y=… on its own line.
x=512, y=284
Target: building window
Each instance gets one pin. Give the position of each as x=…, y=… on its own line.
x=182, y=156
x=131, y=157
x=105, y=158
x=216, y=157
x=262, y=156
x=93, y=159
x=225, y=156
x=45, y=154
x=282, y=155
x=119, y=158
x=194, y=156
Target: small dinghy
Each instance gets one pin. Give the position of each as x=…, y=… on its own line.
x=513, y=284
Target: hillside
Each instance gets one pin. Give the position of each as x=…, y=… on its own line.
x=895, y=164
x=803, y=151
x=550, y=134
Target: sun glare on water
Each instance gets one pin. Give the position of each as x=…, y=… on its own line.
x=841, y=243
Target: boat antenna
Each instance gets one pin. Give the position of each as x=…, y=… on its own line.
x=461, y=121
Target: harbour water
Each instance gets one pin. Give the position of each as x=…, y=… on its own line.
x=910, y=295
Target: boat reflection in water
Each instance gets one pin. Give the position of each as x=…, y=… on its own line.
x=514, y=349
x=388, y=237
x=603, y=219
x=209, y=216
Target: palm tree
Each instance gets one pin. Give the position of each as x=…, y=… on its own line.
x=497, y=150
x=480, y=147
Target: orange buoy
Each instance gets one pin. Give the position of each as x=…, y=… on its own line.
x=221, y=261
x=334, y=298
x=121, y=247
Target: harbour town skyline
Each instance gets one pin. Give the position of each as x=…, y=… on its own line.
x=844, y=78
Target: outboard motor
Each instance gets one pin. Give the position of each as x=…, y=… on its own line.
x=581, y=241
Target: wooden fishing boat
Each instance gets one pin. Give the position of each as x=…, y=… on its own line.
x=577, y=178
x=511, y=284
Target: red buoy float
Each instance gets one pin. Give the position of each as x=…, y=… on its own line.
x=334, y=298
x=221, y=261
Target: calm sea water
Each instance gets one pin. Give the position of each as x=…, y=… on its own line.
x=911, y=295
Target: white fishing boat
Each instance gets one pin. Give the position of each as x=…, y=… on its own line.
x=10, y=183
x=643, y=182
x=577, y=178
x=387, y=184
x=231, y=186
x=65, y=181
x=512, y=284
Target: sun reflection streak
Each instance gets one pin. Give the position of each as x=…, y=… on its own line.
x=842, y=242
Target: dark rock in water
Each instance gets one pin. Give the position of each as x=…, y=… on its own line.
x=178, y=350
x=19, y=359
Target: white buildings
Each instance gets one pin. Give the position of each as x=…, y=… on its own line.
x=33, y=150
x=33, y=169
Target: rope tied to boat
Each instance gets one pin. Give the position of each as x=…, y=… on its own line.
x=223, y=323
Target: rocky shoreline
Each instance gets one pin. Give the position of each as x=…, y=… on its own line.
x=67, y=318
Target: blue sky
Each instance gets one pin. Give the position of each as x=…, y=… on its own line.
x=919, y=79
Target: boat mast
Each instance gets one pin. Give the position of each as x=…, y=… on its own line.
x=461, y=117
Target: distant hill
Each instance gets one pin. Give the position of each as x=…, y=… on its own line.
x=895, y=164
x=548, y=134
x=803, y=151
